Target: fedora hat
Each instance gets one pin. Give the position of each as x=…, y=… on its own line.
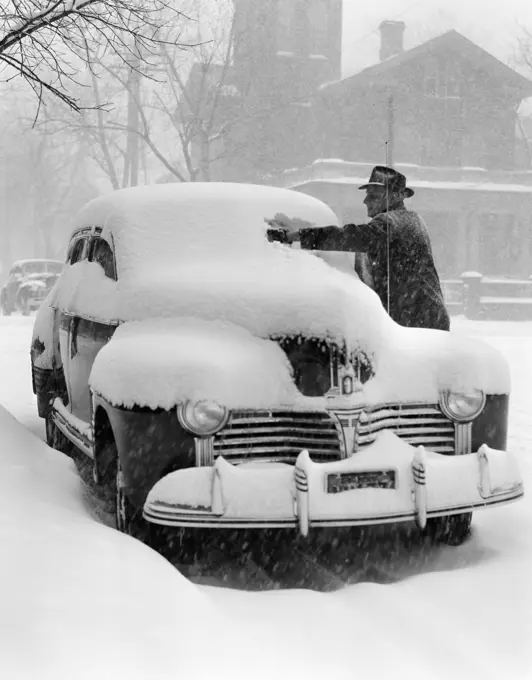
x=382, y=176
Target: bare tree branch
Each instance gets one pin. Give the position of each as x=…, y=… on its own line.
x=39, y=37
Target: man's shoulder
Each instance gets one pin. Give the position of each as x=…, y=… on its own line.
x=397, y=212
x=401, y=216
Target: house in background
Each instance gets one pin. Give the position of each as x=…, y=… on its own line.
x=444, y=113
x=284, y=51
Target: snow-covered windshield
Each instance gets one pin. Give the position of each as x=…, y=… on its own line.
x=42, y=267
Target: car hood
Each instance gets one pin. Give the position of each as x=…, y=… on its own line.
x=175, y=360
x=295, y=293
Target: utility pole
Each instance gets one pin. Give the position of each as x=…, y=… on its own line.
x=390, y=131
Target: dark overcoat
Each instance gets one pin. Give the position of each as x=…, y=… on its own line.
x=415, y=294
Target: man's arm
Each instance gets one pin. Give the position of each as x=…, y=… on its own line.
x=350, y=238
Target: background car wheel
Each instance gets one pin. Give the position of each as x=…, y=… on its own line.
x=451, y=530
x=24, y=306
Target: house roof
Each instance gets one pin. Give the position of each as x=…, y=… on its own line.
x=422, y=184
x=451, y=40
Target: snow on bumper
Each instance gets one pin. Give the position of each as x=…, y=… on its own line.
x=389, y=481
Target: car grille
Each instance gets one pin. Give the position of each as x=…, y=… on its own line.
x=415, y=424
x=277, y=436
x=282, y=435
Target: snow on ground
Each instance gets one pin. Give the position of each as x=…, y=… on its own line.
x=79, y=600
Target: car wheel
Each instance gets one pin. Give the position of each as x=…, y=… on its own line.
x=128, y=518
x=55, y=438
x=451, y=529
x=24, y=307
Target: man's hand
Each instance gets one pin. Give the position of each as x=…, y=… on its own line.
x=289, y=227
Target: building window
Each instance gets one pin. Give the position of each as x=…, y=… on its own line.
x=441, y=80
x=500, y=244
x=286, y=26
x=319, y=26
x=443, y=230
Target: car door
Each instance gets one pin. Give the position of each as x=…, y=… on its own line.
x=77, y=252
x=88, y=336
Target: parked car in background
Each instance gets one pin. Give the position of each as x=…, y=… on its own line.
x=28, y=284
x=217, y=379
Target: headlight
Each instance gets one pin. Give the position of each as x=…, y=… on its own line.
x=202, y=418
x=463, y=406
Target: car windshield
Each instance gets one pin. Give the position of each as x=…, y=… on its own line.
x=54, y=267
x=42, y=268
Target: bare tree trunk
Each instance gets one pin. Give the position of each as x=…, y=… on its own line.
x=133, y=124
x=205, y=165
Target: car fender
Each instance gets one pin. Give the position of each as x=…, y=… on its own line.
x=43, y=338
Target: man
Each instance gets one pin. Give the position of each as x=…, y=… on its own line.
x=398, y=251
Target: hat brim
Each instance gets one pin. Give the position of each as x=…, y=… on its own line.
x=407, y=190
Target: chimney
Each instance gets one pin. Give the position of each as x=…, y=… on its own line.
x=391, y=38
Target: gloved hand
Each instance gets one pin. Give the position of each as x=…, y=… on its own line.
x=288, y=227
x=277, y=234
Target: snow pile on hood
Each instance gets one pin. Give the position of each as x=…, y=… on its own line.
x=161, y=363
x=416, y=364
x=284, y=293
x=287, y=293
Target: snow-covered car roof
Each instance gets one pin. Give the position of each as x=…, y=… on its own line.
x=37, y=260
x=171, y=221
x=200, y=250
x=42, y=275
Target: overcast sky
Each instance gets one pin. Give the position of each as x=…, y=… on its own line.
x=492, y=24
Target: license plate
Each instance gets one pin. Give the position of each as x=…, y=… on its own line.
x=374, y=479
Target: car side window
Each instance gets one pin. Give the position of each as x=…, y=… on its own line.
x=77, y=251
x=102, y=253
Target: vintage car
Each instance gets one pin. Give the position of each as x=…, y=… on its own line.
x=28, y=284
x=216, y=378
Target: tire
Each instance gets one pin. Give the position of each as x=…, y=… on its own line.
x=451, y=530
x=5, y=309
x=56, y=439
x=128, y=518
x=24, y=307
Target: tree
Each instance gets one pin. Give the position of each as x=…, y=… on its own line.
x=44, y=179
x=46, y=42
x=166, y=106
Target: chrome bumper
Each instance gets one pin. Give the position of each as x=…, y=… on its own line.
x=405, y=483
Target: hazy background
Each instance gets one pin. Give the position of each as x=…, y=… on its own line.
x=52, y=164
x=493, y=25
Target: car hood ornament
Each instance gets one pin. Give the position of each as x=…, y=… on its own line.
x=345, y=406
